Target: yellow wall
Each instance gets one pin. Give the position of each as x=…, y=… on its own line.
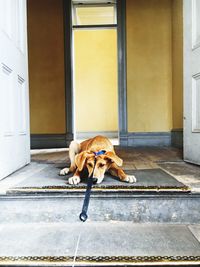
x=96, y=80
x=149, y=65
x=46, y=66
x=177, y=63
x=154, y=69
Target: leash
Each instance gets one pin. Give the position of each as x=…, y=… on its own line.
x=83, y=215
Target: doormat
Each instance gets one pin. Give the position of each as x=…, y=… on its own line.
x=148, y=180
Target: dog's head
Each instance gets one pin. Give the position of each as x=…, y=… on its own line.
x=96, y=164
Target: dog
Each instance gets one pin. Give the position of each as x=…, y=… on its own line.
x=95, y=156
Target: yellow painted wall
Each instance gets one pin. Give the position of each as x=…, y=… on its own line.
x=177, y=63
x=96, y=80
x=46, y=66
x=154, y=69
x=149, y=65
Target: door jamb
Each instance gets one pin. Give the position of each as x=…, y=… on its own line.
x=122, y=76
x=68, y=68
x=122, y=82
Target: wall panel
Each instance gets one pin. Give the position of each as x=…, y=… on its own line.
x=149, y=65
x=46, y=66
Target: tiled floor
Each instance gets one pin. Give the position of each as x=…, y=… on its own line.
x=134, y=158
x=46, y=164
x=167, y=158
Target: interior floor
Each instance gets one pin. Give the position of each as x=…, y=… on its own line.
x=133, y=158
x=48, y=162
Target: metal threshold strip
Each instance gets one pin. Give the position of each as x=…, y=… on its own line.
x=100, y=260
x=103, y=189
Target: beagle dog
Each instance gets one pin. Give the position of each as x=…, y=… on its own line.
x=94, y=156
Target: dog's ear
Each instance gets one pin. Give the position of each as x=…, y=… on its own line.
x=114, y=158
x=80, y=159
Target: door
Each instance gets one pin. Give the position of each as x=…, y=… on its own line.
x=14, y=105
x=192, y=81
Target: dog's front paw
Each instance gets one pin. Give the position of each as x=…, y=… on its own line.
x=99, y=180
x=130, y=179
x=74, y=180
x=64, y=171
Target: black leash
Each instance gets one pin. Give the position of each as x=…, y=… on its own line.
x=83, y=215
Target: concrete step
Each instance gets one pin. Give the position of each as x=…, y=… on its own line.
x=99, y=244
x=37, y=193
x=104, y=206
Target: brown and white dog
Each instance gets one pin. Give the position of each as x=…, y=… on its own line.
x=96, y=156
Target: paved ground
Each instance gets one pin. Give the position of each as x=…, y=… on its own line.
x=99, y=239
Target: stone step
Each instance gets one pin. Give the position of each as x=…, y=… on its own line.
x=99, y=244
x=40, y=195
x=135, y=207
x=156, y=197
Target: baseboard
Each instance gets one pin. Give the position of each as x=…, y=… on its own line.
x=173, y=138
x=146, y=139
x=85, y=135
x=39, y=141
x=177, y=138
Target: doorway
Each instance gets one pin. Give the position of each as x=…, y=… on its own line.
x=59, y=157
x=95, y=81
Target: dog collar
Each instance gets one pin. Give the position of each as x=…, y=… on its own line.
x=100, y=152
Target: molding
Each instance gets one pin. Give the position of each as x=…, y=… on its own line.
x=6, y=69
x=173, y=138
x=85, y=135
x=69, y=95
x=177, y=138
x=123, y=139
x=50, y=140
x=122, y=82
x=146, y=139
x=96, y=27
